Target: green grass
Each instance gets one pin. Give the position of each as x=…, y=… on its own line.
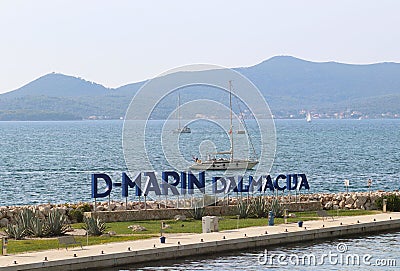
x=18, y=246
x=153, y=229
x=339, y=213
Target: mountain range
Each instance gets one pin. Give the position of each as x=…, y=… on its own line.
x=290, y=85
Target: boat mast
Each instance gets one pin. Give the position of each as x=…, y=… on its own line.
x=178, y=111
x=231, y=125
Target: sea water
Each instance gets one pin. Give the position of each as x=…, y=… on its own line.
x=44, y=162
x=379, y=252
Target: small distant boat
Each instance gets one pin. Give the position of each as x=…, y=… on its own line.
x=184, y=129
x=224, y=163
x=308, y=117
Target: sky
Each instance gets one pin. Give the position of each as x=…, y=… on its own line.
x=114, y=43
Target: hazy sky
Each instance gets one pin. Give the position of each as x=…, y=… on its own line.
x=119, y=42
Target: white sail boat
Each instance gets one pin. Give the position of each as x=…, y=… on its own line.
x=224, y=163
x=308, y=117
x=184, y=129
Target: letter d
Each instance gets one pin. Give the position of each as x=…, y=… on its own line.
x=107, y=179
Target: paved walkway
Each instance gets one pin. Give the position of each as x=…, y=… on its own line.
x=172, y=240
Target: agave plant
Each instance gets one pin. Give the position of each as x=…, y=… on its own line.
x=56, y=223
x=259, y=207
x=38, y=227
x=25, y=218
x=197, y=212
x=16, y=231
x=243, y=209
x=276, y=208
x=22, y=224
x=94, y=226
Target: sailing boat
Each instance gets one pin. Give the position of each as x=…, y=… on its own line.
x=308, y=117
x=224, y=163
x=184, y=129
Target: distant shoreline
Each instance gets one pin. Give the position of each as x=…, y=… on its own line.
x=67, y=120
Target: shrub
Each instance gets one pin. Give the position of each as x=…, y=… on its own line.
x=393, y=203
x=243, y=209
x=94, y=226
x=259, y=207
x=197, y=212
x=77, y=214
x=276, y=208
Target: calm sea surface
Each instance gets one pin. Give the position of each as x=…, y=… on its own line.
x=43, y=162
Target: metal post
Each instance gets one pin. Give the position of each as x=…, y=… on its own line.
x=285, y=215
x=145, y=201
x=4, y=242
x=384, y=203
x=369, y=183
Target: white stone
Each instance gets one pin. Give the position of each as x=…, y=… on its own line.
x=136, y=228
x=180, y=218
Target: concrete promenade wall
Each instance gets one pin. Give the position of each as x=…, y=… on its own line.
x=170, y=213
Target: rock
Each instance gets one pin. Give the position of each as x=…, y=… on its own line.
x=348, y=206
x=111, y=207
x=328, y=205
x=166, y=226
x=349, y=200
x=112, y=233
x=136, y=228
x=4, y=222
x=342, y=204
x=119, y=208
x=99, y=208
x=44, y=210
x=180, y=218
x=62, y=210
x=362, y=199
x=357, y=204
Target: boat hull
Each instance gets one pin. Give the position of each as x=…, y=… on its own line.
x=182, y=131
x=224, y=165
